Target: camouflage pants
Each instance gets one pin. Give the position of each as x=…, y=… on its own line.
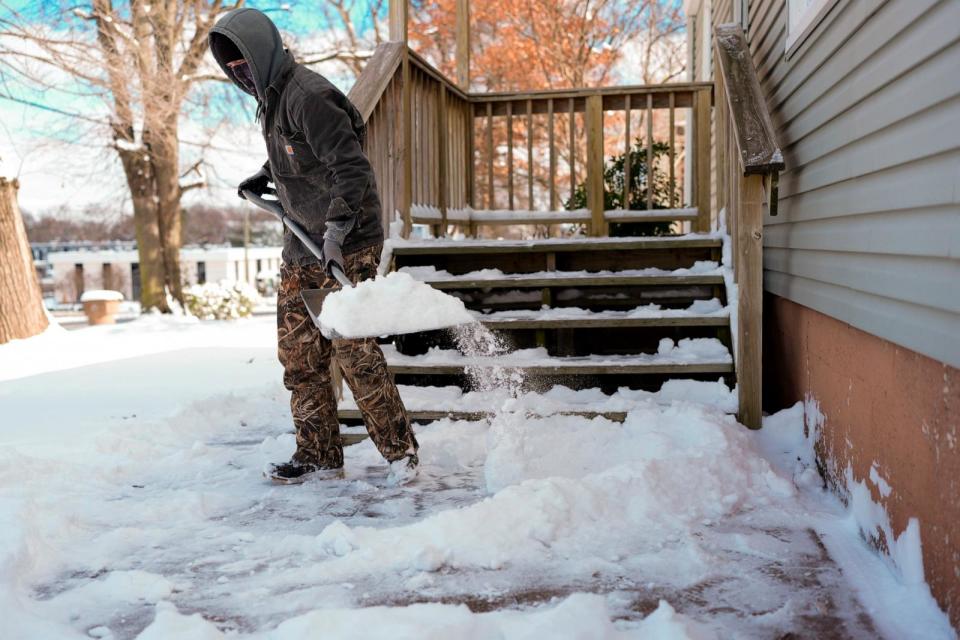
x=305, y=355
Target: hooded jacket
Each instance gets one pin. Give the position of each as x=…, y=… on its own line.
x=314, y=138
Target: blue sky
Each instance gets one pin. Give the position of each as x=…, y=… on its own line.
x=60, y=159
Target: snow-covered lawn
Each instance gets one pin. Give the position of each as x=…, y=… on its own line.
x=132, y=504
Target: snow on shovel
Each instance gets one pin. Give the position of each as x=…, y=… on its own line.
x=388, y=305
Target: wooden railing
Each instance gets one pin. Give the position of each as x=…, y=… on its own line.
x=748, y=163
x=443, y=156
x=584, y=125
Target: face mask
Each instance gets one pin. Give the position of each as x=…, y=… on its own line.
x=243, y=74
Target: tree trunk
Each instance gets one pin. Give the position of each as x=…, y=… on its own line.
x=21, y=303
x=166, y=165
x=138, y=169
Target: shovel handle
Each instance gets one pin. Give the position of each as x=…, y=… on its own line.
x=274, y=207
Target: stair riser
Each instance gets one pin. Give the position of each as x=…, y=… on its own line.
x=593, y=298
x=566, y=341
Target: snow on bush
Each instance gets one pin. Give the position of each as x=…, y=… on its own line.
x=220, y=301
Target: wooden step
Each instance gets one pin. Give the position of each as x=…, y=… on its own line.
x=560, y=369
x=504, y=322
x=550, y=245
x=426, y=415
x=557, y=254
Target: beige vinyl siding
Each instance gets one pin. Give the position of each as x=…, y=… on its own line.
x=867, y=112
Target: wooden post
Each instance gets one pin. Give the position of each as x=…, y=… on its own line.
x=21, y=312
x=463, y=44
x=398, y=20
x=594, y=126
x=406, y=193
x=701, y=163
x=749, y=266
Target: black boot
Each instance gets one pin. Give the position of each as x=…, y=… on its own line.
x=296, y=472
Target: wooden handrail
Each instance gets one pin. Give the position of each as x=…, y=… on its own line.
x=377, y=74
x=751, y=124
x=748, y=161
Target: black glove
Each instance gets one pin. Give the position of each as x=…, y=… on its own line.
x=256, y=183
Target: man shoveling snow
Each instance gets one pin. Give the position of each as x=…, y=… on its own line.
x=326, y=185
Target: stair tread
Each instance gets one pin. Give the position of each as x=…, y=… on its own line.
x=713, y=358
x=472, y=245
x=558, y=399
x=704, y=273
x=701, y=313
x=352, y=413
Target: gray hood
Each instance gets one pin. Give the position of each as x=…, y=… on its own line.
x=250, y=34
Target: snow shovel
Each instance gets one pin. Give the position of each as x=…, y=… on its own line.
x=313, y=298
x=448, y=311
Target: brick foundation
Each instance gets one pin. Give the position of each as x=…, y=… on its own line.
x=882, y=404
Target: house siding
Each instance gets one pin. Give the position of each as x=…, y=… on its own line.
x=867, y=112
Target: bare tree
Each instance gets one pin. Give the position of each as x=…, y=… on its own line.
x=344, y=41
x=142, y=59
x=21, y=305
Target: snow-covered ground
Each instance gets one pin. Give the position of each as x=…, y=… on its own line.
x=132, y=505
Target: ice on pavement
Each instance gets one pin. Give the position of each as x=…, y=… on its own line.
x=156, y=523
x=390, y=305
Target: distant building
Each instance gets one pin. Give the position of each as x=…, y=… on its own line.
x=71, y=272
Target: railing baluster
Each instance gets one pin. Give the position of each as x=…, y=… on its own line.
x=672, y=183
x=649, y=151
x=467, y=130
x=510, y=155
x=627, y=169
x=442, y=157
x=573, y=154
x=490, y=203
x=553, y=157
x=529, y=155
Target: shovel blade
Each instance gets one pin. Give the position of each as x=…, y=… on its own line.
x=313, y=299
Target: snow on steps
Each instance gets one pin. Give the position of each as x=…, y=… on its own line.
x=429, y=403
x=706, y=272
x=699, y=355
x=702, y=313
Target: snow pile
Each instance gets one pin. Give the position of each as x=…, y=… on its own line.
x=561, y=485
x=390, y=305
x=220, y=301
x=559, y=399
x=101, y=295
x=139, y=507
x=580, y=616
